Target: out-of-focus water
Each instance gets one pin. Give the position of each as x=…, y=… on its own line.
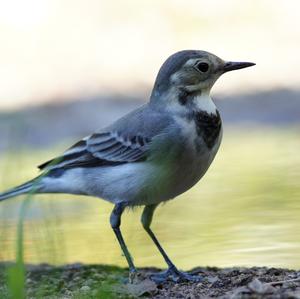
x=245, y=211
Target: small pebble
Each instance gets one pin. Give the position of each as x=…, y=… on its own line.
x=85, y=289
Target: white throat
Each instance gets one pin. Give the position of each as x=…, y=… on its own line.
x=205, y=103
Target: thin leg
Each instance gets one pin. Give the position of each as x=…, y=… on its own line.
x=115, y=222
x=146, y=221
x=172, y=271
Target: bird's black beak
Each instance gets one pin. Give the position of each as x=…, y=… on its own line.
x=232, y=66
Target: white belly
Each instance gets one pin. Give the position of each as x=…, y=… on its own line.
x=150, y=182
x=169, y=172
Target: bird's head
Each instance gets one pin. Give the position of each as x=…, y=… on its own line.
x=192, y=71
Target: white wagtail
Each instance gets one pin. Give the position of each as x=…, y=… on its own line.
x=150, y=155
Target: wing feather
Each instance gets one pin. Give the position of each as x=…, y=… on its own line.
x=102, y=149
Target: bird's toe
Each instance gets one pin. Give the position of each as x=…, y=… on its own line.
x=175, y=275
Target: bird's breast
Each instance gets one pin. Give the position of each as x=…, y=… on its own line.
x=201, y=134
x=208, y=126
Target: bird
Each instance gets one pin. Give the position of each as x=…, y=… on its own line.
x=149, y=156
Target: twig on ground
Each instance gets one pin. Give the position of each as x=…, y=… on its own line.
x=283, y=281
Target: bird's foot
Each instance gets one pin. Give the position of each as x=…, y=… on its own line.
x=133, y=276
x=173, y=274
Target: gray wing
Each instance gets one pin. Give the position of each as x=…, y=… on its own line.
x=126, y=141
x=102, y=149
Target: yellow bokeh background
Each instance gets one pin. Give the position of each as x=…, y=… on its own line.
x=61, y=48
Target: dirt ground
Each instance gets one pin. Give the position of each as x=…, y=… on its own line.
x=96, y=281
x=235, y=283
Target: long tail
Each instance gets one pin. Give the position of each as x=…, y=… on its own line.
x=30, y=186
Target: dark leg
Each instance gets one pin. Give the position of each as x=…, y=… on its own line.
x=115, y=222
x=172, y=271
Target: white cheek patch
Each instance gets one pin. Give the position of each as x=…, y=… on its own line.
x=200, y=102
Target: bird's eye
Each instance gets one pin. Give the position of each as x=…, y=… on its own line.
x=202, y=67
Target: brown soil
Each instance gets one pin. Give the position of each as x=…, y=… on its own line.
x=96, y=281
x=235, y=283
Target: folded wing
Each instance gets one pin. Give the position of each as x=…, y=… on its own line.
x=102, y=149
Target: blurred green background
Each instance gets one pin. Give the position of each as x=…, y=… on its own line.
x=70, y=67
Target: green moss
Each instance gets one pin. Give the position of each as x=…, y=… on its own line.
x=73, y=281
